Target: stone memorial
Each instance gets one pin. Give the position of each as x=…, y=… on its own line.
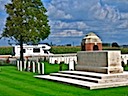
x=108, y=62
x=95, y=68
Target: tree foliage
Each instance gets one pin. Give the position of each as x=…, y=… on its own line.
x=114, y=44
x=26, y=21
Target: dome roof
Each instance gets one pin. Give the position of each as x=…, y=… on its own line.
x=92, y=38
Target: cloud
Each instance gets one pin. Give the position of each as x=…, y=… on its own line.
x=69, y=25
x=124, y=24
x=55, y=13
x=72, y=19
x=68, y=33
x=105, y=12
x=124, y=16
x=70, y=9
x=3, y=14
x=3, y=3
x=104, y=18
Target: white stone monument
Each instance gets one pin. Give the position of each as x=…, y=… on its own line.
x=108, y=62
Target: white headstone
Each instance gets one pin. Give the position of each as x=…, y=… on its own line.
x=42, y=68
x=50, y=59
x=71, y=64
x=21, y=66
x=33, y=65
x=18, y=65
x=25, y=64
x=29, y=65
x=38, y=67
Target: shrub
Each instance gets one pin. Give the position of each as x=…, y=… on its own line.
x=6, y=50
x=65, y=49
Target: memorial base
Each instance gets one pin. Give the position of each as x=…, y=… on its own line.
x=89, y=80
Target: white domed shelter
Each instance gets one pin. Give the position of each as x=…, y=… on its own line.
x=91, y=42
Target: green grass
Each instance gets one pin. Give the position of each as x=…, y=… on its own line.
x=50, y=68
x=16, y=83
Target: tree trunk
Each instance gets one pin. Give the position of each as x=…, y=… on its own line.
x=21, y=51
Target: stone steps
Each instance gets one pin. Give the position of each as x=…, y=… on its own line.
x=82, y=73
x=88, y=79
x=66, y=80
x=97, y=75
x=82, y=78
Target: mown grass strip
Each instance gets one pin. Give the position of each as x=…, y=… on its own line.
x=16, y=83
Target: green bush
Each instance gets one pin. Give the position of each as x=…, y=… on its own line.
x=6, y=50
x=123, y=50
x=65, y=49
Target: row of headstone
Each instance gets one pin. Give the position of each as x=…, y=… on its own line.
x=31, y=66
x=66, y=60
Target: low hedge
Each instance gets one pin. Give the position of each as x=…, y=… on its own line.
x=6, y=50
x=62, y=49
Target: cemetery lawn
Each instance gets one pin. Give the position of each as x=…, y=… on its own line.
x=16, y=83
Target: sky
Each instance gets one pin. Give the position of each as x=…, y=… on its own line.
x=71, y=20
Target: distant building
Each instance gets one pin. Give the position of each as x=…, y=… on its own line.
x=91, y=42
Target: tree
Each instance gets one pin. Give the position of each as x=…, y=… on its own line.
x=26, y=22
x=114, y=44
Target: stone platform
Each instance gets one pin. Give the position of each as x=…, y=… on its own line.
x=89, y=80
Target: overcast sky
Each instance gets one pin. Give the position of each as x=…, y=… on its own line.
x=71, y=20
